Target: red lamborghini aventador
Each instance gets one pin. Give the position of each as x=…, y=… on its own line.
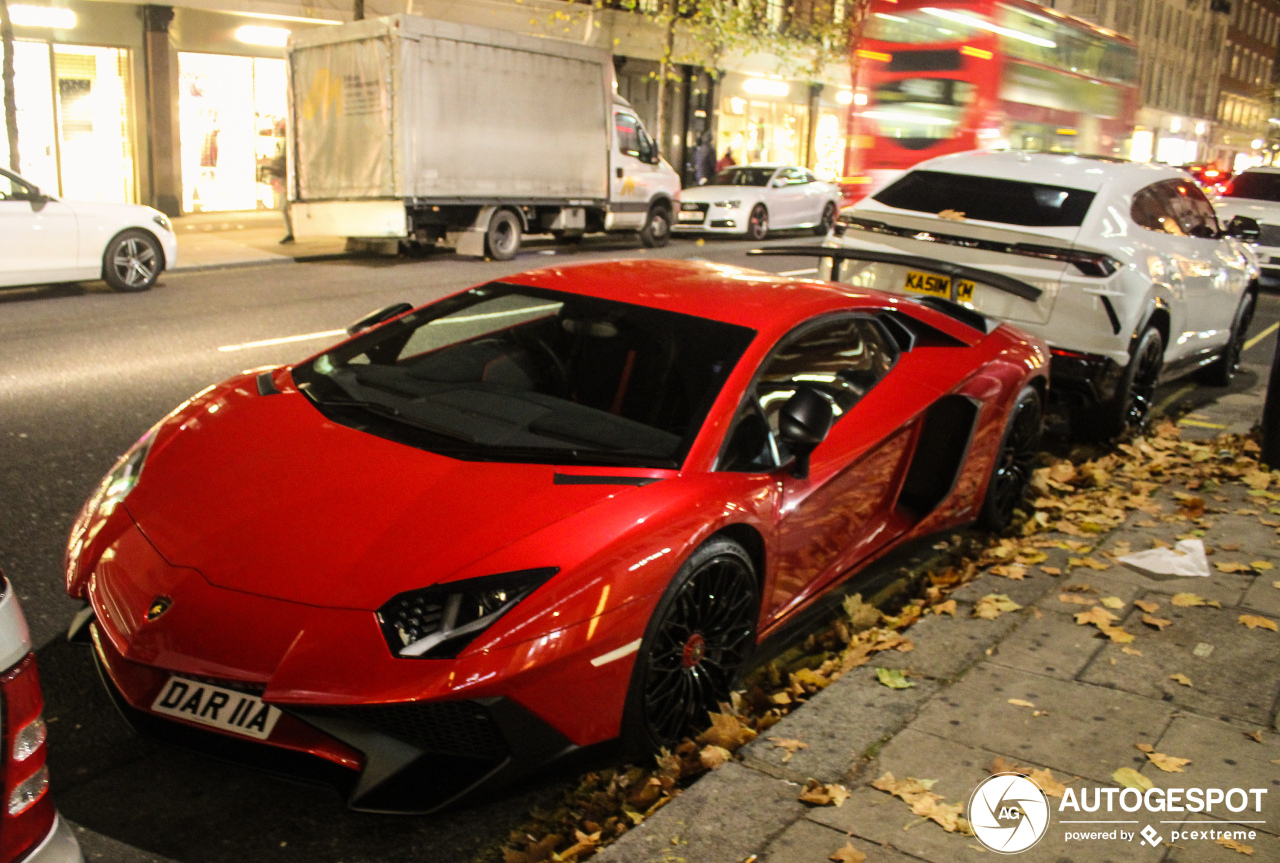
x=539, y=514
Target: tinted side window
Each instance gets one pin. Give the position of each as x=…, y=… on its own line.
x=990, y=199
x=1151, y=210
x=842, y=359
x=793, y=176
x=1175, y=207
x=1204, y=213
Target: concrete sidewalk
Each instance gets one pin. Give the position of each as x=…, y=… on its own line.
x=1040, y=690
x=213, y=240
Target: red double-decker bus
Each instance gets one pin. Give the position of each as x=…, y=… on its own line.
x=940, y=76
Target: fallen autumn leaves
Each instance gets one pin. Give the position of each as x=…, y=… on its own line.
x=1080, y=500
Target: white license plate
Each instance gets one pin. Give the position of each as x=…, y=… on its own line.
x=691, y=216
x=237, y=712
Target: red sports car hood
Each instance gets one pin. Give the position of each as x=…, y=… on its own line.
x=263, y=494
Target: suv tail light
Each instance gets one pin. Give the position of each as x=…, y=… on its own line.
x=27, y=813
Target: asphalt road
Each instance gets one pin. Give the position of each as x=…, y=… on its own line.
x=83, y=373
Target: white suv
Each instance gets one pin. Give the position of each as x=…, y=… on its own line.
x=1255, y=194
x=1122, y=268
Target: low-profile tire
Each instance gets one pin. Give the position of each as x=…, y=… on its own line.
x=502, y=240
x=1130, y=407
x=656, y=232
x=828, y=220
x=1222, y=371
x=695, y=647
x=133, y=261
x=1011, y=473
x=758, y=223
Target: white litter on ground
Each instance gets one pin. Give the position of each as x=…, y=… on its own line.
x=1187, y=558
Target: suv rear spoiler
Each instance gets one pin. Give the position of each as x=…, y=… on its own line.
x=1000, y=282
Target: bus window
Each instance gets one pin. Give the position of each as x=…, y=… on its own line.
x=920, y=26
x=920, y=112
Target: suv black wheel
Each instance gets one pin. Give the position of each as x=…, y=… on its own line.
x=1131, y=405
x=1222, y=371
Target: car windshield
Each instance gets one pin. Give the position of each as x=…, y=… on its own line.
x=1011, y=202
x=1257, y=185
x=511, y=373
x=743, y=177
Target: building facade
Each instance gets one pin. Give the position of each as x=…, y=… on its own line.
x=183, y=106
x=1247, y=86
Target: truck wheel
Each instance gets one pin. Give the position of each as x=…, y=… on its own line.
x=1131, y=405
x=502, y=240
x=656, y=232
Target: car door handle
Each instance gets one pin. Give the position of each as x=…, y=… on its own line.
x=619, y=173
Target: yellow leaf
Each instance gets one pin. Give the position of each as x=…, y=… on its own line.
x=1238, y=847
x=1261, y=564
x=727, y=731
x=1076, y=599
x=792, y=746
x=848, y=854
x=1168, y=763
x=1157, y=622
x=948, y=607
x=1097, y=616
x=1187, y=600
x=1130, y=778
x=1180, y=678
x=1144, y=747
x=1051, y=570
x=1048, y=784
x=1113, y=602
x=1148, y=607
x=1116, y=634
x=1018, y=702
x=893, y=678
x=1255, y=736
x=714, y=756
x=861, y=615
x=819, y=794
x=1132, y=651
x=1254, y=621
x=993, y=605
x=1228, y=566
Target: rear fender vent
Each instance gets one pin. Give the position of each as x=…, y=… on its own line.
x=940, y=451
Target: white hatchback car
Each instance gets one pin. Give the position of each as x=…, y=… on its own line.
x=1255, y=194
x=1121, y=267
x=751, y=200
x=47, y=239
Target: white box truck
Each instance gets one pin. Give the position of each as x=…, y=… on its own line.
x=429, y=132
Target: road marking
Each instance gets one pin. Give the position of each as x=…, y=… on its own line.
x=1199, y=424
x=283, y=340
x=624, y=650
x=799, y=272
x=1160, y=408
x=1262, y=335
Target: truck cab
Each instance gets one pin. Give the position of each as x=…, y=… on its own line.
x=642, y=186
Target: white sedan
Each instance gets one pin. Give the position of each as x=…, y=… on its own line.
x=44, y=239
x=1122, y=268
x=752, y=199
x=1255, y=194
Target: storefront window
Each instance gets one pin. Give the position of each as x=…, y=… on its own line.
x=829, y=145
x=760, y=131
x=75, y=131
x=94, y=127
x=231, y=122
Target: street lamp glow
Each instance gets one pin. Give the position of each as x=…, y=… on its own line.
x=271, y=37
x=42, y=16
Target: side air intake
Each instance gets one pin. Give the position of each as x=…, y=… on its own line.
x=940, y=450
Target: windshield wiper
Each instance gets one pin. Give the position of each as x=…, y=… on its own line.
x=391, y=413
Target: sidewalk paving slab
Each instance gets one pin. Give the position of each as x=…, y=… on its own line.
x=1052, y=646
x=839, y=725
x=1084, y=730
x=810, y=842
x=725, y=817
x=946, y=646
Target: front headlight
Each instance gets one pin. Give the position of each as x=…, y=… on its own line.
x=113, y=489
x=439, y=621
x=730, y=205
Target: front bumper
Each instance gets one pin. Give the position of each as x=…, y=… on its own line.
x=406, y=757
x=715, y=220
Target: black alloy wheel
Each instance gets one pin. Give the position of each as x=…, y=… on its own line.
x=1148, y=359
x=1222, y=371
x=828, y=220
x=695, y=647
x=758, y=223
x=1015, y=461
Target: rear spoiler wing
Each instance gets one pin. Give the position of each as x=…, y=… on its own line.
x=1000, y=282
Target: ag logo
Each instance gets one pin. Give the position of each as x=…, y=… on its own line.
x=1008, y=813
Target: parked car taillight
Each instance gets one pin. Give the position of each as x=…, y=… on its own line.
x=28, y=811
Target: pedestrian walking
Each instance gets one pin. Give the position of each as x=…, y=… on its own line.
x=726, y=161
x=704, y=160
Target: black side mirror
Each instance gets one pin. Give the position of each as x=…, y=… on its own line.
x=1243, y=228
x=803, y=424
x=372, y=319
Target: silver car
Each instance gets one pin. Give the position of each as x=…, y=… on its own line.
x=1255, y=194
x=751, y=200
